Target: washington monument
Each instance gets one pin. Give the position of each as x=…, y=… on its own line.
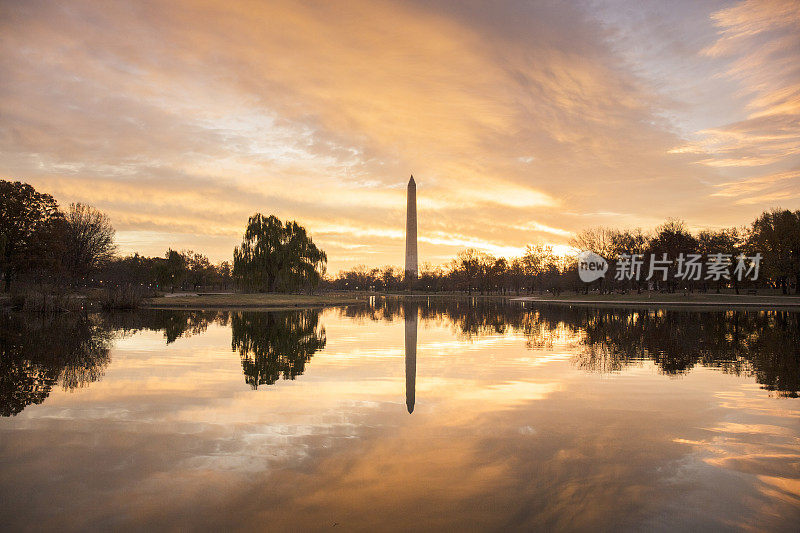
x=411, y=230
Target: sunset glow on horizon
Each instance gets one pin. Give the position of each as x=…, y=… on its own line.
x=522, y=122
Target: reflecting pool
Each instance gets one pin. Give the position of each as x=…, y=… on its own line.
x=415, y=414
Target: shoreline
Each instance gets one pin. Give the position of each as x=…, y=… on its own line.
x=288, y=302
x=283, y=302
x=725, y=301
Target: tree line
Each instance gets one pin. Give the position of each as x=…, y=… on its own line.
x=764, y=344
x=39, y=241
x=774, y=237
x=73, y=350
x=42, y=245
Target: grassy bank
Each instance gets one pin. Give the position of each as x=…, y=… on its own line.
x=252, y=301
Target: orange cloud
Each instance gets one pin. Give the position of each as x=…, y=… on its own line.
x=184, y=118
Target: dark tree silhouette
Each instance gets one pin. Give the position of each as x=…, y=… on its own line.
x=89, y=240
x=30, y=227
x=776, y=234
x=171, y=271
x=276, y=255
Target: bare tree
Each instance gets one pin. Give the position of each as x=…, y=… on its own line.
x=599, y=240
x=90, y=239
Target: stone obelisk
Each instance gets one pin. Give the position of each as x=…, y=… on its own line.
x=411, y=230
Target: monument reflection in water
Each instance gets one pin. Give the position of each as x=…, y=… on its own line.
x=411, y=355
x=546, y=417
x=73, y=350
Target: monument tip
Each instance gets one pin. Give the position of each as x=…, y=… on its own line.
x=411, y=180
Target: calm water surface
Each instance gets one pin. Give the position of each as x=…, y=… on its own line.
x=402, y=415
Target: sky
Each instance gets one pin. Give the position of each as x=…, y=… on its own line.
x=522, y=122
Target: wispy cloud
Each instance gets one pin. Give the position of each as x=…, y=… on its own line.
x=183, y=118
x=770, y=188
x=761, y=38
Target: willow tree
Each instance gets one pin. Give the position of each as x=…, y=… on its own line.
x=277, y=255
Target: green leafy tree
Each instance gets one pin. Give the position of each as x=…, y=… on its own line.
x=671, y=238
x=776, y=235
x=171, y=270
x=276, y=255
x=30, y=229
x=199, y=270
x=516, y=275
x=467, y=265
x=224, y=272
x=537, y=263
x=723, y=241
x=389, y=278
x=628, y=242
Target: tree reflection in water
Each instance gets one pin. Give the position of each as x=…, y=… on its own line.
x=275, y=345
x=761, y=344
x=174, y=324
x=272, y=344
x=38, y=352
